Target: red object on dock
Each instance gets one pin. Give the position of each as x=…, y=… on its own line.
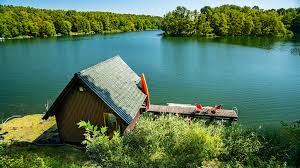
x=198, y=106
x=217, y=107
x=189, y=111
x=145, y=90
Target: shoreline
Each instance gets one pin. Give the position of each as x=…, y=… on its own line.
x=72, y=34
x=218, y=36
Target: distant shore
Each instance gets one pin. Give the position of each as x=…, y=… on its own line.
x=72, y=34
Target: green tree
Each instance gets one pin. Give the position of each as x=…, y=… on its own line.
x=248, y=26
x=281, y=11
x=47, y=29
x=96, y=27
x=203, y=26
x=296, y=24
x=4, y=32
x=126, y=25
x=106, y=24
x=205, y=10
x=64, y=27
x=257, y=30
x=219, y=24
x=178, y=22
x=288, y=18
x=139, y=25
x=236, y=23
x=85, y=25
x=272, y=25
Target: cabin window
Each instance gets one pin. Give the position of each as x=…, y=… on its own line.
x=111, y=122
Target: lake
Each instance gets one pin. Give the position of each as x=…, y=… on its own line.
x=259, y=76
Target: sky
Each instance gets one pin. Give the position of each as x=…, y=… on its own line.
x=148, y=7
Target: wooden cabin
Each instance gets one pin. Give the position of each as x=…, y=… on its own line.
x=106, y=94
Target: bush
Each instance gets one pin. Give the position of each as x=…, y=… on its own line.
x=101, y=148
x=166, y=141
x=173, y=141
x=170, y=141
x=282, y=143
x=242, y=145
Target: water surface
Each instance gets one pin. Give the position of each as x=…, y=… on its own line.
x=260, y=76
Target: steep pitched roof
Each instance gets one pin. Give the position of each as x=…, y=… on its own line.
x=115, y=83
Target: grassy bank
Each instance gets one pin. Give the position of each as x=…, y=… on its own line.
x=19, y=146
x=26, y=129
x=25, y=155
x=166, y=141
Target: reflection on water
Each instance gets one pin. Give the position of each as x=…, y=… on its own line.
x=257, y=42
x=295, y=51
x=258, y=75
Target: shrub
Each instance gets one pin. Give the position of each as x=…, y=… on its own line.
x=282, y=143
x=100, y=147
x=174, y=141
x=170, y=141
x=242, y=145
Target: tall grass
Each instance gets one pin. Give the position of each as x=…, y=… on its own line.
x=26, y=155
x=170, y=141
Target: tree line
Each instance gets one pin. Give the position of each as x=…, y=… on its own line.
x=27, y=21
x=231, y=20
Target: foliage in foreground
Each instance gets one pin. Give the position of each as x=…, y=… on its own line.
x=169, y=141
x=282, y=143
x=231, y=20
x=166, y=141
x=25, y=155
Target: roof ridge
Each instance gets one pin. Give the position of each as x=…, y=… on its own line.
x=100, y=63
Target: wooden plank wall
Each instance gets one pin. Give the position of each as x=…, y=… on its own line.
x=77, y=106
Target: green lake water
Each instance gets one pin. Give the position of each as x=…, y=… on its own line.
x=259, y=76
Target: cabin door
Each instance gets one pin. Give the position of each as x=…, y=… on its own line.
x=112, y=123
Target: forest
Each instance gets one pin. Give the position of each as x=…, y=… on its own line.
x=226, y=20
x=31, y=22
x=231, y=20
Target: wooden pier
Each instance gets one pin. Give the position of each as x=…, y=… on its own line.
x=189, y=111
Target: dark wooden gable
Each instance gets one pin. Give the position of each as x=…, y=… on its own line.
x=114, y=82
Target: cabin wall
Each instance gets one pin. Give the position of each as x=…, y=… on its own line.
x=79, y=105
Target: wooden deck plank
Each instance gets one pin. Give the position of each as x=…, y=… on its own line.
x=222, y=113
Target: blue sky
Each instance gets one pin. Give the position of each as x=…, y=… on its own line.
x=152, y=7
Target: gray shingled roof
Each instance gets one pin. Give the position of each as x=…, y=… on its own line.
x=116, y=84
